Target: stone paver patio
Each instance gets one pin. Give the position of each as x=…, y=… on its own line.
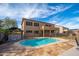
x=50, y=50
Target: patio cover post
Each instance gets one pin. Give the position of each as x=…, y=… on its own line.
x=43, y=30
x=50, y=33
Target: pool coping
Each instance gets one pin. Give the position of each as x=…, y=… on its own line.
x=60, y=41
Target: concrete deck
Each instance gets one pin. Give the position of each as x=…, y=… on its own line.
x=72, y=52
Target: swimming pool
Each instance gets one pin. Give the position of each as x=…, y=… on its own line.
x=38, y=41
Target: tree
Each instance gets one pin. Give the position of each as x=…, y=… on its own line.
x=1, y=23
x=8, y=23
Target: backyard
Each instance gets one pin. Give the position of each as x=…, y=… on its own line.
x=49, y=50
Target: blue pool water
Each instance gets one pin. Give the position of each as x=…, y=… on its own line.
x=38, y=42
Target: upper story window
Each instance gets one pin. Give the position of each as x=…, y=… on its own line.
x=36, y=24
x=29, y=23
x=52, y=31
x=48, y=25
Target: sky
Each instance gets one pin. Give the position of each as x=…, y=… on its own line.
x=63, y=14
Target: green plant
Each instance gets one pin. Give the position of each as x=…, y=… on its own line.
x=4, y=31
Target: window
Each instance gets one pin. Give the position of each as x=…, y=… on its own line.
x=36, y=24
x=29, y=23
x=36, y=32
x=29, y=31
x=64, y=32
x=46, y=31
x=48, y=25
x=52, y=31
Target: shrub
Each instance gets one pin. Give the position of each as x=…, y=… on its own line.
x=4, y=31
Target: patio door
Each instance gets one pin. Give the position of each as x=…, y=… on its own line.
x=41, y=33
x=46, y=33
